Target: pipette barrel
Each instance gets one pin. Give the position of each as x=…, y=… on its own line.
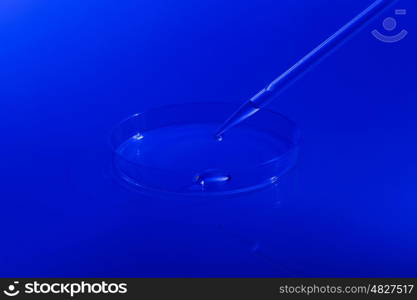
x=272, y=90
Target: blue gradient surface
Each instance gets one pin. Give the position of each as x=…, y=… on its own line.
x=71, y=70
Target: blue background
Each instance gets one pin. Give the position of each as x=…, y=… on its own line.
x=70, y=70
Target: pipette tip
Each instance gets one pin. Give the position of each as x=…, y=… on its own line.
x=244, y=112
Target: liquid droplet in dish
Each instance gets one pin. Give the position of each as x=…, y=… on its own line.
x=212, y=178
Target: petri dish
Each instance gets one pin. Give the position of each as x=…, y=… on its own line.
x=173, y=150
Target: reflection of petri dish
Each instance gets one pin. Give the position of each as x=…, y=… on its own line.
x=173, y=150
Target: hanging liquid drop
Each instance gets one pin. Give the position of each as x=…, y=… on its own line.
x=212, y=178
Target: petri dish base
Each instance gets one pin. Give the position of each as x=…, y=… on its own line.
x=173, y=149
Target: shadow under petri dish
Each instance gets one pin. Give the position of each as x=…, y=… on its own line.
x=173, y=150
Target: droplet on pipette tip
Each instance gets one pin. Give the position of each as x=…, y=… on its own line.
x=219, y=137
